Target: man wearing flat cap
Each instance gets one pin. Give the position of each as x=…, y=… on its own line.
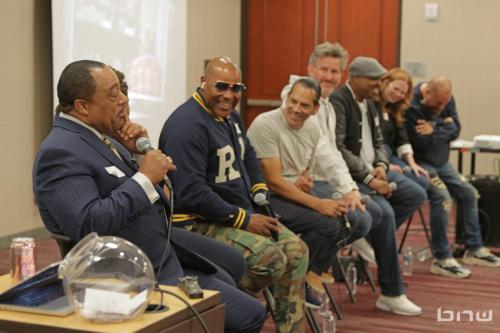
x=359, y=139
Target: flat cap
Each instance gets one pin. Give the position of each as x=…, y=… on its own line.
x=366, y=67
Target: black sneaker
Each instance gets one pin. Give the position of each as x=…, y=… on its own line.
x=312, y=301
x=449, y=267
x=481, y=257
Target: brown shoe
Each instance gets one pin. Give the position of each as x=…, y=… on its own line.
x=327, y=278
x=314, y=281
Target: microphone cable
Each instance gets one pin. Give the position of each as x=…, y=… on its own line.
x=193, y=310
x=163, y=258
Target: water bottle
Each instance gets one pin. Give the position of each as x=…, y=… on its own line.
x=352, y=276
x=325, y=304
x=424, y=254
x=407, y=261
x=328, y=323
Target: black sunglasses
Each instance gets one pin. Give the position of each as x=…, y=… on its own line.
x=224, y=86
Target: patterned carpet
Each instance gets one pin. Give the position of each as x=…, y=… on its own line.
x=478, y=294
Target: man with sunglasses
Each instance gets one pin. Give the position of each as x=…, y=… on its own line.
x=218, y=176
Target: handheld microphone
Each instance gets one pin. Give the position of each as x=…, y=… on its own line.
x=393, y=186
x=260, y=199
x=365, y=198
x=338, y=196
x=406, y=169
x=143, y=145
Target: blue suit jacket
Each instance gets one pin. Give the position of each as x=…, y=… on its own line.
x=77, y=195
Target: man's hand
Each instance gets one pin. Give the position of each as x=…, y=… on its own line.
x=382, y=187
x=418, y=170
x=262, y=225
x=129, y=133
x=155, y=165
x=424, y=127
x=330, y=207
x=395, y=168
x=379, y=173
x=353, y=199
x=305, y=181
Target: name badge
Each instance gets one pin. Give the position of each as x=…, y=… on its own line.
x=114, y=171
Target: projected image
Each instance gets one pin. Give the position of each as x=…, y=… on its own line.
x=145, y=39
x=130, y=27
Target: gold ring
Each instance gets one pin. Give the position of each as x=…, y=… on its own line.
x=141, y=128
x=169, y=159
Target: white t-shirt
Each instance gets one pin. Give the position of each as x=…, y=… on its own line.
x=272, y=137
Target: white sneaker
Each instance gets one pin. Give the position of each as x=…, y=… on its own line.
x=481, y=257
x=400, y=305
x=449, y=267
x=365, y=250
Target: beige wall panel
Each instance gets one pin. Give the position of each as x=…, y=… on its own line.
x=463, y=45
x=26, y=100
x=213, y=29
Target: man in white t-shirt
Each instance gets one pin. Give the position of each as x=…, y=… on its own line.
x=285, y=145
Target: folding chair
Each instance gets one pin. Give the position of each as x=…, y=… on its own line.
x=64, y=242
x=424, y=225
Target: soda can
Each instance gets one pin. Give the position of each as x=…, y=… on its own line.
x=22, y=258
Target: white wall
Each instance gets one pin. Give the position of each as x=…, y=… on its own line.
x=463, y=45
x=213, y=30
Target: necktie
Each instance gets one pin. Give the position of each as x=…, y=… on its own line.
x=110, y=145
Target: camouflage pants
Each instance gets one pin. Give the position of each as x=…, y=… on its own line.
x=282, y=266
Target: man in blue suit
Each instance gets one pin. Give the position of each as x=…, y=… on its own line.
x=85, y=180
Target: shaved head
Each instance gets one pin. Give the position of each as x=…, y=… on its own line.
x=221, y=64
x=221, y=86
x=440, y=84
x=437, y=94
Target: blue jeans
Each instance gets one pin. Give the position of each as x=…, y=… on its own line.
x=447, y=183
x=407, y=197
x=421, y=180
x=321, y=233
x=382, y=236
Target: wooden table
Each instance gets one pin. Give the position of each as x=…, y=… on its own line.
x=178, y=318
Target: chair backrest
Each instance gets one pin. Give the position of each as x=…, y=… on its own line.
x=64, y=242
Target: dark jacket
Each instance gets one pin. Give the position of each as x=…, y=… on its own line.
x=433, y=149
x=349, y=129
x=77, y=195
x=394, y=134
x=217, y=169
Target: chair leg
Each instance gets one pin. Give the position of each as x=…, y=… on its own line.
x=268, y=296
x=336, y=308
x=366, y=270
x=344, y=277
x=312, y=321
x=406, y=232
x=426, y=230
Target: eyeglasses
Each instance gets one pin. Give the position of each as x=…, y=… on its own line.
x=224, y=86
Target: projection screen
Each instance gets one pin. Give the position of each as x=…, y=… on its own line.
x=145, y=39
